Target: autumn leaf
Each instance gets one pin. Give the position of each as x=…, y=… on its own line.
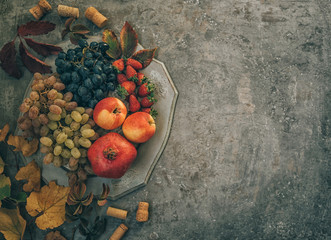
x=4, y=186
x=30, y=172
x=129, y=40
x=3, y=132
x=32, y=63
x=80, y=29
x=35, y=28
x=2, y=165
x=54, y=236
x=12, y=224
x=8, y=60
x=21, y=144
x=43, y=48
x=48, y=205
x=69, y=22
x=144, y=56
x=110, y=38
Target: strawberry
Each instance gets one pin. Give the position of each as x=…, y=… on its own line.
x=130, y=72
x=145, y=89
x=134, y=63
x=129, y=86
x=140, y=78
x=147, y=102
x=121, y=78
x=151, y=111
x=134, y=104
x=119, y=64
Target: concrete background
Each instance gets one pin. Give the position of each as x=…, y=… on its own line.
x=248, y=155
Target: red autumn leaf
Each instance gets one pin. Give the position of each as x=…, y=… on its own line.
x=144, y=56
x=129, y=40
x=69, y=22
x=8, y=60
x=43, y=48
x=80, y=29
x=35, y=28
x=32, y=63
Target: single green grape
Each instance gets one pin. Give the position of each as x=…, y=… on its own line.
x=57, y=150
x=76, y=116
x=52, y=125
x=84, y=142
x=85, y=118
x=46, y=141
x=61, y=138
x=66, y=153
x=68, y=119
x=87, y=133
x=54, y=117
x=69, y=143
x=75, y=153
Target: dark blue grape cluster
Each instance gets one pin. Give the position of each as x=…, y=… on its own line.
x=87, y=72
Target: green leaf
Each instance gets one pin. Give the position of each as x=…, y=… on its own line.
x=81, y=29
x=110, y=38
x=21, y=197
x=129, y=40
x=144, y=56
x=4, y=186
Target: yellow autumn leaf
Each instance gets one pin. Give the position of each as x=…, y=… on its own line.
x=30, y=172
x=3, y=132
x=12, y=224
x=21, y=144
x=49, y=205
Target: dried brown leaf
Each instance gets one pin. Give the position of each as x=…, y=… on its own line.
x=8, y=60
x=35, y=28
x=30, y=172
x=3, y=132
x=54, y=236
x=21, y=144
x=48, y=205
x=43, y=48
x=12, y=224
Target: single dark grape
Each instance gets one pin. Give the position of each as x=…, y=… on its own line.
x=99, y=94
x=94, y=45
x=76, y=67
x=59, y=70
x=88, y=63
x=65, y=77
x=107, y=69
x=97, y=55
x=72, y=87
x=103, y=46
x=97, y=69
x=83, y=71
x=67, y=67
x=96, y=79
x=99, y=63
x=78, y=50
x=82, y=91
x=92, y=103
x=87, y=97
x=103, y=76
x=82, y=43
x=61, y=55
x=111, y=77
x=89, y=55
x=88, y=83
x=77, y=99
x=75, y=77
x=59, y=62
x=79, y=56
x=110, y=86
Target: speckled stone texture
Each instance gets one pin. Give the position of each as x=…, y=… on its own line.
x=249, y=152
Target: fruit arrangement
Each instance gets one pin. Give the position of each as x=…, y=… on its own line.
x=97, y=88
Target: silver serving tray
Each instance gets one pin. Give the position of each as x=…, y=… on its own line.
x=148, y=153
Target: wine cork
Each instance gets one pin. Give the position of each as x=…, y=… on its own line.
x=119, y=232
x=66, y=11
x=142, y=212
x=97, y=18
x=45, y=5
x=36, y=12
x=40, y=9
x=117, y=213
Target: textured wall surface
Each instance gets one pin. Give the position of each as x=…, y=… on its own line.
x=249, y=151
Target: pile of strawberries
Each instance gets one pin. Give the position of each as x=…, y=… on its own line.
x=134, y=86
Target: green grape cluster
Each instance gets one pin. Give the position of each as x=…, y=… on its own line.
x=67, y=137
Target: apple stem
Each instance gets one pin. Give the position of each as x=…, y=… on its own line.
x=109, y=153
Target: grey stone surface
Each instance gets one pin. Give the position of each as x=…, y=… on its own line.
x=248, y=155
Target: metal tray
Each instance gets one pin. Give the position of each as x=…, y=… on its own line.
x=148, y=153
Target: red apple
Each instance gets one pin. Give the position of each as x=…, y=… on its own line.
x=139, y=127
x=111, y=155
x=109, y=113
